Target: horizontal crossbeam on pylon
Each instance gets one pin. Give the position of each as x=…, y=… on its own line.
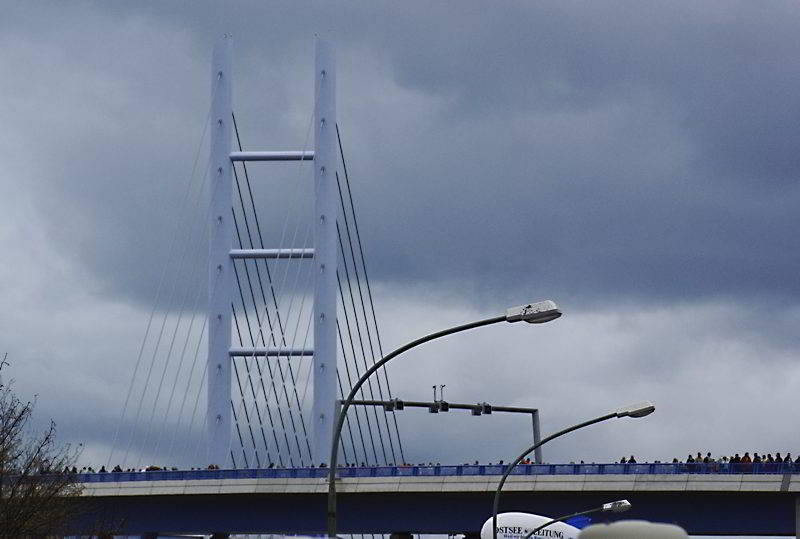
x=273, y=156
x=270, y=352
x=271, y=253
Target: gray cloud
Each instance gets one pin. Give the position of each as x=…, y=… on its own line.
x=714, y=376
x=615, y=156
x=647, y=154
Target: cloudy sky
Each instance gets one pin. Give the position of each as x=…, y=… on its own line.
x=637, y=162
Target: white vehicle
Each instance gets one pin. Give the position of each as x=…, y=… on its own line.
x=518, y=525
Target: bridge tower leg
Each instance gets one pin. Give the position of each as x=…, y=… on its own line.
x=220, y=265
x=325, y=256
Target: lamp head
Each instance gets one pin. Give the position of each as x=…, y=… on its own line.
x=534, y=313
x=620, y=506
x=640, y=409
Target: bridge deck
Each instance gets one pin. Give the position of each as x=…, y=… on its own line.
x=621, y=483
x=408, y=499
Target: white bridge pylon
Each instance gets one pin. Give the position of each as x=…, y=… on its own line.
x=222, y=255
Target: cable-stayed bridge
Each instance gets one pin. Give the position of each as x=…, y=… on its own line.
x=260, y=323
x=257, y=329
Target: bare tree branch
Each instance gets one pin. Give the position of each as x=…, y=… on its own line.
x=38, y=495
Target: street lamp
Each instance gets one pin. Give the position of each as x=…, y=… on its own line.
x=619, y=506
x=635, y=410
x=533, y=313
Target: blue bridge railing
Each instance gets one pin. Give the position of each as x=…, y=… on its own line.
x=446, y=471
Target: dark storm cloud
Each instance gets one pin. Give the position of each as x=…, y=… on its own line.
x=604, y=149
x=621, y=148
x=723, y=67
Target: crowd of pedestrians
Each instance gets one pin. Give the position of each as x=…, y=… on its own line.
x=725, y=459
x=708, y=461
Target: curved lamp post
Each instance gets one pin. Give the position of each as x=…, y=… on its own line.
x=635, y=410
x=619, y=506
x=533, y=313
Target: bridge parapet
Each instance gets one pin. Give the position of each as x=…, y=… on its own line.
x=716, y=483
x=451, y=471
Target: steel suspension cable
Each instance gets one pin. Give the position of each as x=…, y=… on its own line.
x=285, y=276
x=305, y=387
x=296, y=332
x=253, y=339
x=308, y=373
x=157, y=295
x=279, y=350
x=347, y=420
x=211, y=335
x=366, y=280
x=187, y=444
x=281, y=347
x=241, y=393
x=355, y=365
x=350, y=382
x=193, y=365
x=203, y=425
x=195, y=306
x=293, y=295
x=172, y=345
x=182, y=256
x=272, y=289
x=299, y=367
x=266, y=311
x=241, y=441
x=360, y=340
x=261, y=243
x=259, y=324
x=242, y=396
x=248, y=363
x=363, y=311
x=186, y=390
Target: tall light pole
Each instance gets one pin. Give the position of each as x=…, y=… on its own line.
x=533, y=313
x=635, y=410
